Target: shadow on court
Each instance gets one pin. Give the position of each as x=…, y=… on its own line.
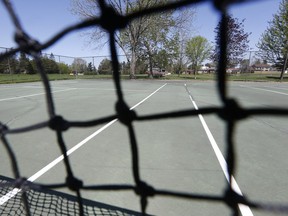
x=49, y=202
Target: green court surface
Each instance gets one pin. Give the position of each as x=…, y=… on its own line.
x=177, y=154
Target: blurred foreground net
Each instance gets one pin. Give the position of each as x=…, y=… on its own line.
x=48, y=202
x=34, y=199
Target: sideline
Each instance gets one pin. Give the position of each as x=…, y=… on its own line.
x=245, y=210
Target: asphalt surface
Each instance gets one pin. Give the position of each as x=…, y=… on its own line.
x=175, y=154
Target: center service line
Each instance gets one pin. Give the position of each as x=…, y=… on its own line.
x=45, y=169
x=245, y=210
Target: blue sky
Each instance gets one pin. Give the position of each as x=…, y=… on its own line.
x=42, y=19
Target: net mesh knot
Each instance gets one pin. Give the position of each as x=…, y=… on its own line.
x=73, y=183
x=232, y=111
x=57, y=123
x=125, y=115
x=111, y=20
x=26, y=43
x=232, y=199
x=144, y=190
x=223, y=4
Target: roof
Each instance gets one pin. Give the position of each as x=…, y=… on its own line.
x=261, y=65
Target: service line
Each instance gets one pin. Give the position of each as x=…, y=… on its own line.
x=245, y=210
x=45, y=169
x=33, y=95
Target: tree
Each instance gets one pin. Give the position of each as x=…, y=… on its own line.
x=90, y=67
x=52, y=57
x=25, y=65
x=273, y=43
x=105, y=67
x=124, y=67
x=79, y=65
x=237, y=41
x=50, y=66
x=130, y=40
x=197, y=50
x=9, y=65
x=162, y=59
x=180, y=59
x=63, y=68
x=244, y=66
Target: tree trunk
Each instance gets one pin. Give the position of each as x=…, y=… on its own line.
x=150, y=67
x=284, y=68
x=133, y=65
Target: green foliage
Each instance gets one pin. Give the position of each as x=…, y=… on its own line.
x=9, y=65
x=63, y=68
x=90, y=67
x=144, y=37
x=197, y=50
x=273, y=43
x=105, y=67
x=125, y=67
x=50, y=66
x=141, y=67
x=25, y=65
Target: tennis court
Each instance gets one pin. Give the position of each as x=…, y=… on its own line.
x=177, y=154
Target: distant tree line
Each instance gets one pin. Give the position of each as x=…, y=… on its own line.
x=161, y=41
x=22, y=64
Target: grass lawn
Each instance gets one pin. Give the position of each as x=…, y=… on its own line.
x=256, y=77
x=20, y=78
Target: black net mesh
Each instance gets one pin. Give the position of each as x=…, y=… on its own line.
x=47, y=202
x=33, y=199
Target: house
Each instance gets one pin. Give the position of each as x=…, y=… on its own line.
x=261, y=67
x=203, y=69
x=232, y=70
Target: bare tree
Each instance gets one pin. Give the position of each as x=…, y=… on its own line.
x=79, y=65
x=135, y=37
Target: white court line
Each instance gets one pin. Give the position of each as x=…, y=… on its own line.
x=45, y=169
x=261, y=89
x=274, y=87
x=245, y=210
x=33, y=95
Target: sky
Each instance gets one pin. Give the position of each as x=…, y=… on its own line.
x=42, y=19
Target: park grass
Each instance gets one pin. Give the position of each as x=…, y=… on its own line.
x=253, y=77
x=22, y=78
